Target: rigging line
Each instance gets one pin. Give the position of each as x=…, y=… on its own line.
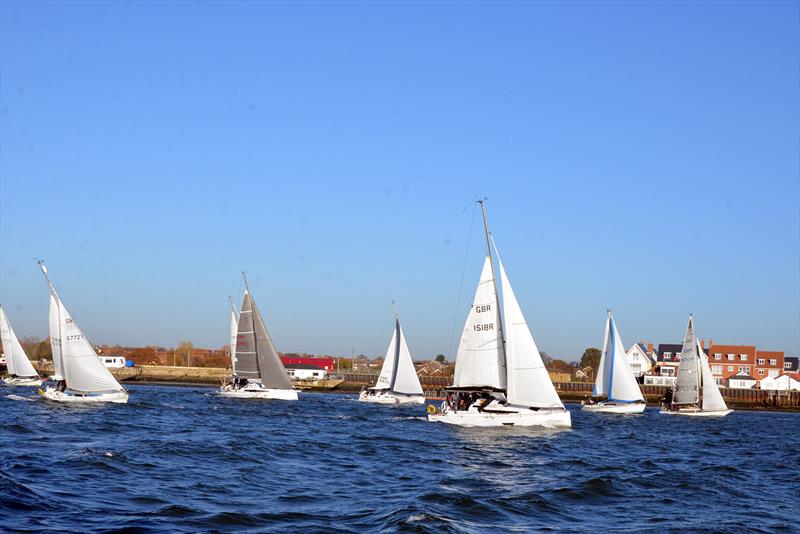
x=463, y=271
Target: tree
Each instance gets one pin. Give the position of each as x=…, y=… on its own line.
x=591, y=358
x=546, y=359
x=184, y=350
x=440, y=358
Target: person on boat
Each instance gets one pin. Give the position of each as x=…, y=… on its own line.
x=61, y=386
x=667, y=399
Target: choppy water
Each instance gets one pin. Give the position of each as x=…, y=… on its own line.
x=180, y=459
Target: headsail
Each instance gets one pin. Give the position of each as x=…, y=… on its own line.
x=54, y=322
x=386, y=378
x=17, y=361
x=529, y=383
x=234, y=332
x=687, y=386
x=273, y=373
x=480, y=360
x=614, y=375
x=712, y=397
x=405, y=379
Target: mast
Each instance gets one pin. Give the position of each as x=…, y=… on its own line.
x=396, y=363
x=500, y=329
x=42, y=266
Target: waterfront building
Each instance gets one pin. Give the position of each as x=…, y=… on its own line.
x=665, y=370
x=769, y=363
x=791, y=366
x=305, y=371
x=731, y=360
x=783, y=382
x=742, y=381
x=641, y=359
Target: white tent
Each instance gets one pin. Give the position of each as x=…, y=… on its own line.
x=780, y=383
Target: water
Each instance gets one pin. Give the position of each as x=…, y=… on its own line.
x=182, y=460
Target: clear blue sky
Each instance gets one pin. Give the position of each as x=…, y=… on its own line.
x=638, y=156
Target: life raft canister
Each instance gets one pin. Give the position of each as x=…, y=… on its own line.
x=431, y=409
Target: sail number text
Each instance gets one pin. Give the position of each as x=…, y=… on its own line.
x=483, y=327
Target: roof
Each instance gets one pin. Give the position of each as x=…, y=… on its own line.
x=643, y=348
x=303, y=366
x=742, y=377
x=795, y=363
x=673, y=348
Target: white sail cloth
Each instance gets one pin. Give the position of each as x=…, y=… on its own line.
x=528, y=381
x=17, y=361
x=398, y=373
x=480, y=361
x=712, y=397
x=687, y=386
x=55, y=337
x=80, y=365
x=234, y=333
x=614, y=375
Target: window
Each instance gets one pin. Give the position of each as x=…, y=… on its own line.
x=743, y=357
x=716, y=369
x=773, y=361
x=667, y=355
x=761, y=372
x=787, y=365
x=773, y=372
x=678, y=356
x=743, y=369
x=718, y=356
x=730, y=368
x=731, y=357
x=761, y=361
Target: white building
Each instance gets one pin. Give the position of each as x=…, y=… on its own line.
x=742, y=380
x=780, y=383
x=639, y=359
x=660, y=380
x=113, y=362
x=305, y=371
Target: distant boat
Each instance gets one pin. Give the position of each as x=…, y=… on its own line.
x=500, y=378
x=615, y=389
x=79, y=373
x=398, y=382
x=696, y=392
x=20, y=370
x=258, y=372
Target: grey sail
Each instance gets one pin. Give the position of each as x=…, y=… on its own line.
x=273, y=373
x=687, y=387
x=246, y=344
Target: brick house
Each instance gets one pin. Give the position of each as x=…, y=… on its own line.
x=768, y=363
x=731, y=360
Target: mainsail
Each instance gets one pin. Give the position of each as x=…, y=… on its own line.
x=386, y=378
x=614, y=376
x=17, y=361
x=480, y=360
x=54, y=323
x=712, y=398
x=687, y=386
x=255, y=353
x=528, y=382
x=234, y=332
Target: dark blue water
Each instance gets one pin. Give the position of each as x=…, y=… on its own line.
x=179, y=459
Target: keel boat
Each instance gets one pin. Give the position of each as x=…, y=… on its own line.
x=20, y=369
x=80, y=375
x=696, y=392
x=500, y=378
x=615, y=390
x=258, y=372
x=398, y=382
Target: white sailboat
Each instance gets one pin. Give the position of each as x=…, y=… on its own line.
x=79, y=373
x=398, y=382
x=696, y=392
x=258, y=372
x=615, y=387
x=500, y=378
x=20, y=369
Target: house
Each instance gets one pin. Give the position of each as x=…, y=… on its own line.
x=742, y=381
x=325, y=362
x=433, y=368
x=665, y=369
x=305, y=371
x=730, y=360
x=769, y=363
x=780, y=383
x=791, y=366
x=641, y=359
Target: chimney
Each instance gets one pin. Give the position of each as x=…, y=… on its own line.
x=650, y=347
x=703, y=343
x=710, y=342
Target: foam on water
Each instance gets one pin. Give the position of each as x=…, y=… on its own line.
x=181, y=460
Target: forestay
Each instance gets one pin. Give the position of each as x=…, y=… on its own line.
x=529, y=383
x=687, y=386
x=17, y=361
x=405, y=379
x=480, y=360
x=614, y=375
x=82, y=368
x=712, y=397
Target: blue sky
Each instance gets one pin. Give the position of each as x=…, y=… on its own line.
x=638, y=156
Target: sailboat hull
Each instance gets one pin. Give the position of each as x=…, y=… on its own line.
x=391, y=398
x=259, y=393
x=51, y=394
x=610, y=407
x=547, y=418
x=697, y=413
x=19, y=381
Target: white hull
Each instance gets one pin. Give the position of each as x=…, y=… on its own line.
x=698, y=413
x=547, y=418
x=60, y=396
x=23, y=381
x=259, y=393
x=391, y=398
x=622, y=408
